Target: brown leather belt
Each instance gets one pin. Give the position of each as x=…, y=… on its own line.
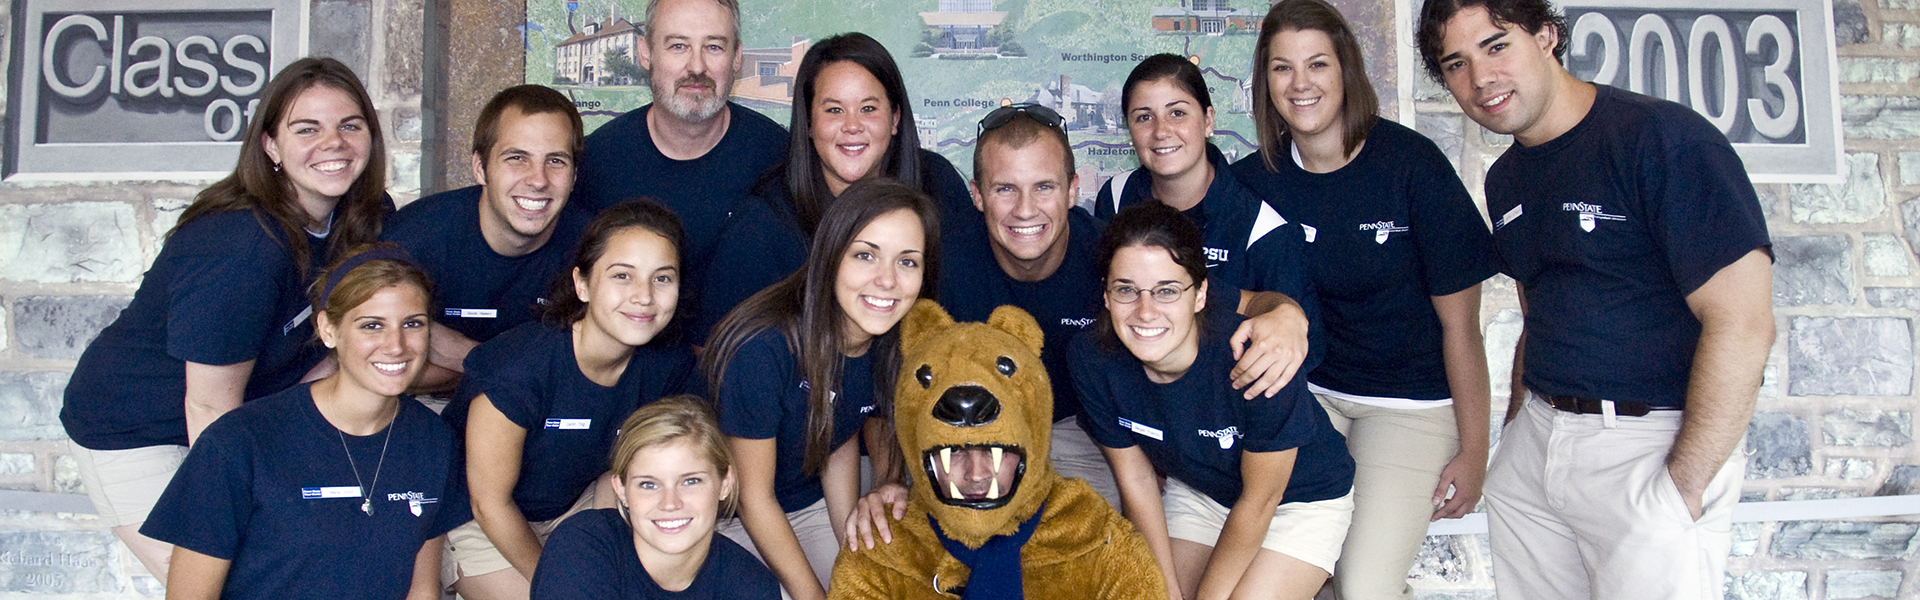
x=1591, y=406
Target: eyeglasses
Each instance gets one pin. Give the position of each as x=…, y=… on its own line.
x=1127, y=294
x=1005, y=114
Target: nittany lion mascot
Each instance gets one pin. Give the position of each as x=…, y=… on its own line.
x=987, y=516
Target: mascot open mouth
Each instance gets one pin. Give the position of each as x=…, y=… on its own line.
x=976, y=476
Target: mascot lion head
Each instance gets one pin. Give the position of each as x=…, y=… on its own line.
x=974, y=411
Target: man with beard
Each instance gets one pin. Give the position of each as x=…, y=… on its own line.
x=692, y=149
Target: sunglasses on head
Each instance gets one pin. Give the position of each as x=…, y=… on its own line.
x=1005, y=114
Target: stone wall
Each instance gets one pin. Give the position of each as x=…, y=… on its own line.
x=70, y=258
x=1835, y=418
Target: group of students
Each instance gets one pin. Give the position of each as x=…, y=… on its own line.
x=577, y=457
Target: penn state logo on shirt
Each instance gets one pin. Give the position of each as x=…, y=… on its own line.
x=414, y=500
x=1590, y=214
x=1383, y=230
x=1215, y=256
x=1080, y=323
x=1224, y=436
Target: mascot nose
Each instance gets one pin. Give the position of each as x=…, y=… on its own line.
x=967, y=406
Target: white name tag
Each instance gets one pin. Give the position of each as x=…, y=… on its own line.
x=338, y=491
x=569, y=423
x=1509, y=217
x=473, y=313
x=297, y=320
x=1142, y=429
x=1310, y=232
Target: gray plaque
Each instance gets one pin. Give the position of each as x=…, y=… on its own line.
x=1762, y=71
x=141, y=89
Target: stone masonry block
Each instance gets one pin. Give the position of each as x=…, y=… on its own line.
x=62, y=326
x=1904, y=480
x=1850, y=468
x=1885, y=255
x=66, y=476
x=1746, y=538
x=1811, y=270
x=30, y=406
x=1848, y=427
x=406, y=125
x=1849, y=584
x=1816, y=493
x=1453, y=559
x=1869, y=356
x=1910, y=223
x=404, y=47
x=59, y=562
x=1768, y=585
x=405, y=178
x=1849, y=23
x=1907, y=298
x=1877, y=70
x=1910, y=161
x=1444, y=130
x=1825, y=540
x=341, y=30
x=3, y=325
x=1904, y=35
x=67, y=243
x=17, y=463
x=1880, y=117
x=1779, y=442
x=1862, y=198
x=1900, y=4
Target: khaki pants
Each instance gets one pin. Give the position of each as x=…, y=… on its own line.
x=124, y=485
x=1580, y=507
x=1397, y=456
x=473, y=552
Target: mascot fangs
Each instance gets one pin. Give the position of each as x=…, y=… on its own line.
x=987, y=516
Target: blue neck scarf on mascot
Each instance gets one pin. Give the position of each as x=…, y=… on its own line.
x=995, y=567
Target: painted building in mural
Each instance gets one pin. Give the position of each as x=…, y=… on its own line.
x=583, y=58
x=766, y=74
x=1206, y=17
x=964, y=25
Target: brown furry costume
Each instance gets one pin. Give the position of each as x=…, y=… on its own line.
x=1082, y=547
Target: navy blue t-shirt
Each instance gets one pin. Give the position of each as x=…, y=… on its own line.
x=1249, y=245
x=1195, y=428
x=621, y=163
x=764, y=395
x=479, y=292
x=1607, y=228
x=269, y=487
x=591, y=557
x=764, y=243
x=530, y=375
x=1386, y=233
x=224, y=290
x=972, y=284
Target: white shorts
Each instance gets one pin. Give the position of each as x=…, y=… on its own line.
x=1309, y=531
x=471, y=549
x=125, y=484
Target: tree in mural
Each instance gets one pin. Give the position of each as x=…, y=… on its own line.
x=620, y=68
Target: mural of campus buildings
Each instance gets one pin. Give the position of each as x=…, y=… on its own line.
x=1206, y=17
x=599, y=53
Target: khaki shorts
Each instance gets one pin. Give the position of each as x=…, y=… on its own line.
x=474, y=554
x=1309, y=531
x=812, y=526
x=125, y=484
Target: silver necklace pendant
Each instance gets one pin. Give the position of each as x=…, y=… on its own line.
x=366, y=506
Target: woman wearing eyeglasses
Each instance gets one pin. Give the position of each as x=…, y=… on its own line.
x=1258, y=493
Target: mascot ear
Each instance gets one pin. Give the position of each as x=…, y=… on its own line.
x=1012, y=320
x=925, y=320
